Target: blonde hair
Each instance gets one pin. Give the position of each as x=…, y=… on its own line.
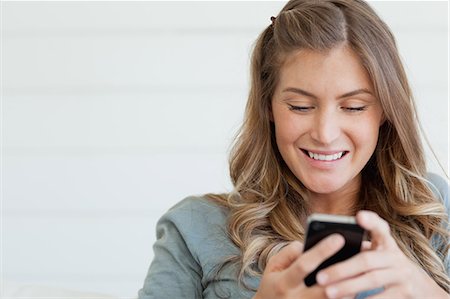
x=268, y=201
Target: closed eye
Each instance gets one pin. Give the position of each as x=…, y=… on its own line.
x=355, y=109
x=301, y=108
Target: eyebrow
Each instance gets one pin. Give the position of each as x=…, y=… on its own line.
x=345, y=95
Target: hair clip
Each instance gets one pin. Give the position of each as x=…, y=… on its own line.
x=272, y=18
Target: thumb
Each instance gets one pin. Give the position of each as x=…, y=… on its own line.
x=378, y=228
x=285, y=257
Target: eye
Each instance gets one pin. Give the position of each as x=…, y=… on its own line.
x=301, y=108
x=355, y=109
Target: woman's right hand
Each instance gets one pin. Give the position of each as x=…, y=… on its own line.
x=285, y=272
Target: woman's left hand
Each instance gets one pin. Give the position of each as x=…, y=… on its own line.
x=382, y=265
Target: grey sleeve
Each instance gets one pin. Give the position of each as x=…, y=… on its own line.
x=441, y=188
x=173, y=273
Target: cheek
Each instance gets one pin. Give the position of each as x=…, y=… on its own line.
x=366, y=136
x=286, y=129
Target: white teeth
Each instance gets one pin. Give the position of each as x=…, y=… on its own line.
x=325, y=157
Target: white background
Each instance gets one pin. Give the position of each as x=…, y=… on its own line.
x=114, y=111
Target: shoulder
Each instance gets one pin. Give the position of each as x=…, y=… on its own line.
x=440, y=188
x=201, y=224
x=198, y=211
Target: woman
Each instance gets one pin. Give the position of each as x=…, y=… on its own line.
x=330, y=127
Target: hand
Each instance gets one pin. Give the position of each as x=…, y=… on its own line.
x=380, y=264
x=285, y=271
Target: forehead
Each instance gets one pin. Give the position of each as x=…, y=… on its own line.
x=339, y=68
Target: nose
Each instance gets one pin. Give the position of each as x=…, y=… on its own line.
x=326, y=127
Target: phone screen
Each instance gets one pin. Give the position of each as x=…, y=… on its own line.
x=318, y=230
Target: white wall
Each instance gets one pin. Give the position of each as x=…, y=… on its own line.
x=114, y=111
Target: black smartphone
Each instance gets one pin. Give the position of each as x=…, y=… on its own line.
x=323, y=225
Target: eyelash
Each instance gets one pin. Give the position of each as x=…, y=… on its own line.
x=306, y=108
x=300, y=108
x=355, y=109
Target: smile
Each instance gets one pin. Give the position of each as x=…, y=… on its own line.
x=322, y=157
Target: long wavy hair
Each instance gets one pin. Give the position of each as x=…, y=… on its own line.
x=268, y=202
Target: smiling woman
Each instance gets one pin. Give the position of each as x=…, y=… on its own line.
x=330, y=126
x=327, y=134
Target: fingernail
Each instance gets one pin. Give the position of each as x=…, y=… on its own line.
x=337, y=239
x=322, y=278
x=366, y=215
x=331, y=292
x=363, y=216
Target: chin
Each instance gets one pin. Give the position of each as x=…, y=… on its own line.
x=323, y=185
x=323, y=189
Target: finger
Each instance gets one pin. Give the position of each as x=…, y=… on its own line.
x=312, y=258
x=314, y=291
x=367, y=281
x=285, y=257
x=366, y=245
x=357, y=265
x=378, y=228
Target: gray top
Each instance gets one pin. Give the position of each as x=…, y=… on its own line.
x=192, y=240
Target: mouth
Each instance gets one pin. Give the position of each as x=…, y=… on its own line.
x=321, y=157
